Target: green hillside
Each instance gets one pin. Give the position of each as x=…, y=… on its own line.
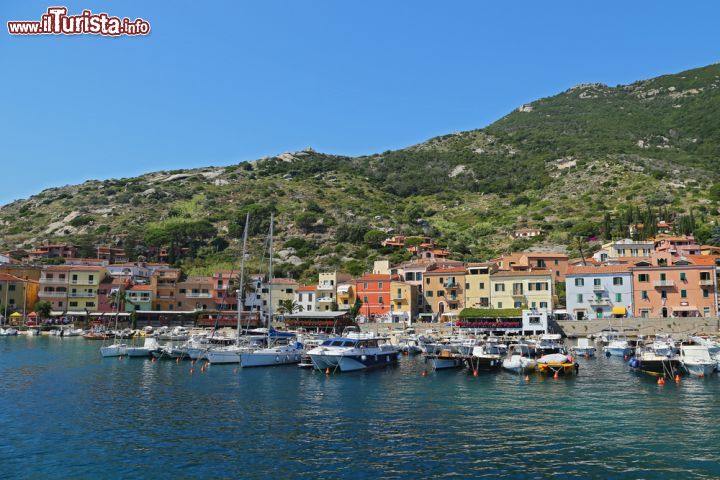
x=582, y=165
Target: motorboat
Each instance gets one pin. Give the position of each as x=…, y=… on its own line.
x=151, y=344
x=518, y=359
x=584, y=348
x=176, y=334
x=712, y=344
x=664, y=345
x=550, y=343
x=484, y=357
x=648, y=361
x=8, y=332
x=228, y=354
x=351, y=354
x=449, y=357
x=409, y=345
x=696, y=360
x=557, y=364
x=617, y=348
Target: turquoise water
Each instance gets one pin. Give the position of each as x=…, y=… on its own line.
x=69, y=413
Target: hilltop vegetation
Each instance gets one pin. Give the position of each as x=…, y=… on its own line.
x=580, y=165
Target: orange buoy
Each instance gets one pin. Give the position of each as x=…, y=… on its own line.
x=202, y=369
x=192, y=370
x=702, y=375
x=556, y=375
x=424, y=373
x=475, y=373
x=192, y=363
x=177, y=360
x=677, y=378
x=661, y=381
x=327, y=371
x=153, y=360
x=527, y=378
x=207, y=364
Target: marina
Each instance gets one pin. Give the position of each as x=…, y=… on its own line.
x=389, y=422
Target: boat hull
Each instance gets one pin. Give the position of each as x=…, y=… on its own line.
x=113, y=351
x=617, y=351
x=584, y=351
x=657, y=367
x=441, y=363
x=699, y=369
x=269, y=359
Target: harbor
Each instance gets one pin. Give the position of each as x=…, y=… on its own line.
x=69, y=410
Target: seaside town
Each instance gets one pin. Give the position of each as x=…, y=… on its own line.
x=664, y=277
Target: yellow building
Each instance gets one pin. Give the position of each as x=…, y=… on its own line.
x=17, y=295
x=444, y=290
x=346, y=295
x=477, y=285
x=82, y=287
x=522, y=289
x=403, y=301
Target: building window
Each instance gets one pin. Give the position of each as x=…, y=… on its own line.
x=683, y=277
x=499, y=305
x=706, y=312
x=429, y=293
x=645, y=313
x=617, y=281
x=467, y=286
x=579, y=298
x=544, y=304
x=579, y=282
x=683, y=293
x=365, y=300
x=596, y=282
x=704, y=275
x=618, y=297
x=643, y=277
x=427, y=280
x=499, y=287
x=440, y=293
x=663, y=293
x=518, y=304
x=380, y=285
x=482, y=285
x=541, y=263
x=644, y=295
x=380, y=300
x=706, y=293
x=663, y=277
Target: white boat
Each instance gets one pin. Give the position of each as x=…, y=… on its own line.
x=277, y=355
x=584, y=348
x=696, y=360
x=351, y=354
x=711, y=343
x=663, y=345
x=448, y=357
x=617, y=348
x=8, y=332
x=518, y=360
x=114, y=350
x=151, y=344
x=32, y=332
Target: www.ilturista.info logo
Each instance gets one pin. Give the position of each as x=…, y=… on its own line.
x=57, y=22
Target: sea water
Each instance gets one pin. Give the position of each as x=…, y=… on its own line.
x=67, y=412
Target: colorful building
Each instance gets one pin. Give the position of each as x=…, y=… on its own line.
x=374, y=291
x=403, y=301
x=602, y=291
x=346, y=295
x=675, y=287
x=283, y=289
x=225, y=290
x=83, y=287
x=17, y=295
x=477, y=285
x=522, y=289
x=138, y=297
x=326, y=291
x=444, y=291
x=195, y=293
x=164, y=284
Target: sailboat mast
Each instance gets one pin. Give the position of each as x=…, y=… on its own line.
x=270, y=276
x=242, y=278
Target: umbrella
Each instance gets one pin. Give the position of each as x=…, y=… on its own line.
x=15, y=315
x=32, y=314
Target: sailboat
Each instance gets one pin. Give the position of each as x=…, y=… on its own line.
x=231, y=353
x=278, y=354
x=117, y=349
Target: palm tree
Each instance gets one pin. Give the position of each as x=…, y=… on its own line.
x=289, y=306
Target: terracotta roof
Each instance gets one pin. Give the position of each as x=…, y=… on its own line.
x=307, y=288
x=445, y=271
x=545, y=254
x=4, y=277
x=521, y=273
x=375, y=276
x=141, y=288
x=591, y=269
x=703, y=259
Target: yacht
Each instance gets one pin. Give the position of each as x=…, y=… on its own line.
x=549, y=343
x=484, y=357
x=277, y=354
x=584, y=348
x=618, y=347
x=696, y=360
x=351, y=354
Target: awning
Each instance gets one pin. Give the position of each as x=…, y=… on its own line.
x=684, y=309
x=343, y=288
x=619, y=311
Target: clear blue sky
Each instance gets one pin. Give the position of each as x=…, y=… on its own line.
x=248, y=79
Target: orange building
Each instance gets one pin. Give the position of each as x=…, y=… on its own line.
x=672, y=287
x=374, y=292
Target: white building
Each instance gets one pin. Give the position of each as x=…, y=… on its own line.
x=305, y=296
x=624, y=248
x=598, y=291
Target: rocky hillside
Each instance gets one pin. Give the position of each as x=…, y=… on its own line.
x=581, y=165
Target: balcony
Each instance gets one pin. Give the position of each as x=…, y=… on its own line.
x=450, y=284
x=325, y=299
x=326, y=287
x=663, y=283
x=53, y=294
x=166, y=297
x=54, y=281
x=399, y=298
x=598, y=288
x=601, y=302
x=198, y=295
x=707, y=282
x=518, y=293
x=81, y=295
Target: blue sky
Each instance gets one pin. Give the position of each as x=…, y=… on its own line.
x=248, y=79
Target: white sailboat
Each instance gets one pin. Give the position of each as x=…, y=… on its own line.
x=229, y=354
x=116, y=349
x=287, y=354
